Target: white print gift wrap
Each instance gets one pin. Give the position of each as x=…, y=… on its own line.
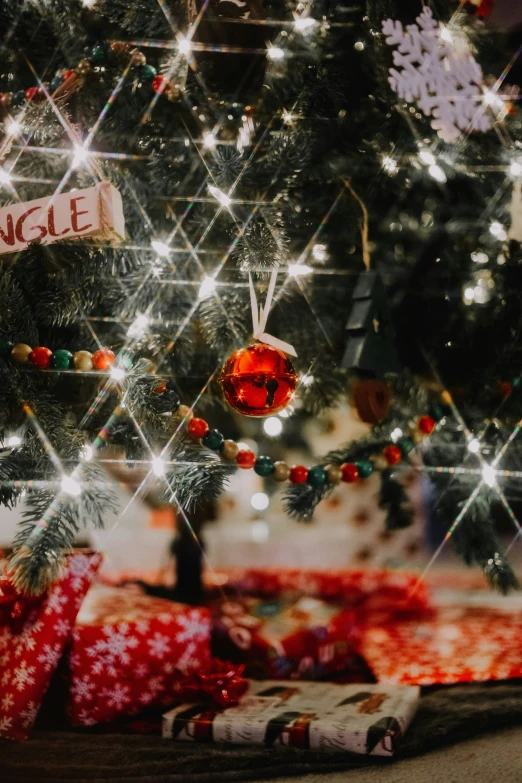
x=362, y=718
x=92, y=213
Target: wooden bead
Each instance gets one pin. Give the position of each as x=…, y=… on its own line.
x=379, y=462
x=83, y=361
x=281, y=471
x=118, y=47
x=173, y=92
x=83, y=67
x=183, y=413
x=229, y=450
x=446, y=398
x=334, y=474
x=138, y=58
x=21, y=352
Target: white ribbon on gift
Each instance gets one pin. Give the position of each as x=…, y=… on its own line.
x=260, y=317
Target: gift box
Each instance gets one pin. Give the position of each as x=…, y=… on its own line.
x=33, y=633
x=131, y=651
x=460, y=643
x=304, y=638
x=367, y=719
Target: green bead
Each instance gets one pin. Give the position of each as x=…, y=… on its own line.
x=365, y=468
x=124, y=360
x=61, y=359
x=264, y=466
x=6, y=346
x=97, y=53
x=436, y=412
x=147, y=73
x=213, y=440
x=406, y=445
x=516, y=383
x=316, y=476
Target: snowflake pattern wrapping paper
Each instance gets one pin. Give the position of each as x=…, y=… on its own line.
x=32, y=640
x=128, y=651
x=441, y=77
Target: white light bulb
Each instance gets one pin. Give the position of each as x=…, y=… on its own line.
x=437, y=173
x=13, y=128
x=160, y=248
x=275, y=53
x=445, y=34
x=207, y=287
x=138, y=326
x=158, y=467
x=14, y=440
x=304, y=23
x=260, y=501
x=474, y=446
x=515, y=169
x=220, y=196
x=320, y=252
x=287, y=118
x=469, y=294
x=86, y=453
x=79, y=157
x=70, y=486
x=498, y=231
x=358, y=46
x=297, y=270
x=307, y=380
x=396, y=434
x=117, y=374
x=488, y=474
x=88, y=3
x=184, y=45
x=389, y=164
x=273, y=426
x=427, y=157
x=5, y=177
x=209, y=140
x=259, y=531
x=479, y=257
x=492, y=98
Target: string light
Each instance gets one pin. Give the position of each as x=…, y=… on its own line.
x=207, y=287
x=358, y=46
x=320, y=252
x=138, y=326
x=184, y=45
x=469, y=295
x=88, y=3
x=117, y=374
x=515, y=169
x=493, y=99
x=488, y=474
x=70, y=486
x=389, y=164
x=13, y=128
x=498, y=231
x=209, y=140
x=80, y=156
x=14, y=440
x=275, y=53
x=307, y=380
x=298, y=270
x=86, y=453
x=160, y=248
x=273, y=426
x=474, y=446
x=220, y=196
x=287, y=118
x=260, y=501
x=427, y=157
x=158, y=467
x=479, y=257
x=5, y=177
x=304, y=23
x=396, y=434
x=445, y=34
x=437, y=173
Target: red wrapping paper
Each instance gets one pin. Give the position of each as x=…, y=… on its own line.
x=131, y=651
x=33, y=633
x=459, y=644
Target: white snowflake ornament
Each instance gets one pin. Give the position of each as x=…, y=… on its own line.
x=439, y=75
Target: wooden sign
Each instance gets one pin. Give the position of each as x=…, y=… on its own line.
x=93, y=213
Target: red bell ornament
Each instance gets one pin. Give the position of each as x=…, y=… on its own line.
x=258, y=380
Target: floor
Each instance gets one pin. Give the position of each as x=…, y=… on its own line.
x=492, y=758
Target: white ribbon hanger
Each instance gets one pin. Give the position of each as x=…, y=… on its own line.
x=260, y=317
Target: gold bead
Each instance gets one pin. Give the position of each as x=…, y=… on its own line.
x=82, y=360
x=229, y=450
x=173, y=92
x=379, y=462
x=83, y=67
x=138, y=58
x=147, y=366
x=334, y=474
x=418, y=436
x=281, y=471
x=446, y=398
x=20, y=353
x=183, y=413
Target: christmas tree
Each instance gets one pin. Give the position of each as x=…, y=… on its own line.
x=336, y=181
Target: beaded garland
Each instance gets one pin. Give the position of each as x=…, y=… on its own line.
x=61, y=359
x=70, y=80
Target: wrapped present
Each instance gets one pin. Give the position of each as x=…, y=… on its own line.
x=131, y=651
x=461, y=643
x=33, y=633
x=368, y=719
x=304, y=638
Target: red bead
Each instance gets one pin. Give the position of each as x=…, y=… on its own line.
x=160, y=388
x=392, y=455
x=41, y=357
x=504, y=389
x=159, y=83
x=245, y=459
x=298, y=474
x=34, y=94
x=68, y=74
x=350, y=472
x=198, y=428
x=102, y=359
x=426, y=424
x=258, y=380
